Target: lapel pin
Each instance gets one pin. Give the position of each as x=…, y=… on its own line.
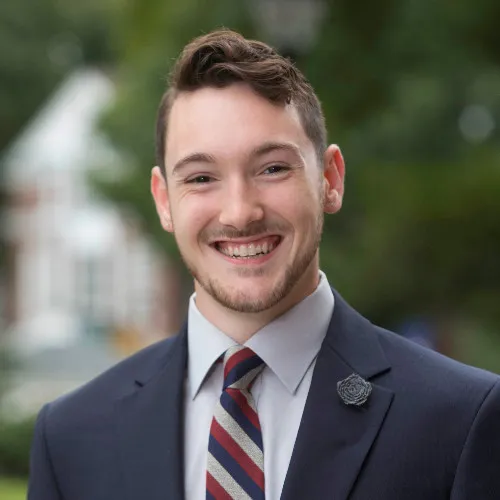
x=354, y=390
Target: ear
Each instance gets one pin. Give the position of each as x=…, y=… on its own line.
x=333, y=179
x=159, y=191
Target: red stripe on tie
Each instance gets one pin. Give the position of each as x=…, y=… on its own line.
x=216, y=490
x=236, y=359
x=234, y=449
x=242, y=402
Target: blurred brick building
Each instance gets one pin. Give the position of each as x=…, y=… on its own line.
x=75, y=264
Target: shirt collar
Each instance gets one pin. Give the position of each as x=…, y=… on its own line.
x=288, y=345
x=206, y=343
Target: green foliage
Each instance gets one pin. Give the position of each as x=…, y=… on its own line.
x=7, y=365
x=395, y=76
x=40, y=40
x=12, y=489
x=15, y=444
x=421, y=239
x=417, y=233
x=26, y=74
x=478, y=346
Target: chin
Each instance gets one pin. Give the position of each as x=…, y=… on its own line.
x=257, y=299
x=246, y=305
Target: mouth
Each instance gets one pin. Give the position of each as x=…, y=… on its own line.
x=249, y=249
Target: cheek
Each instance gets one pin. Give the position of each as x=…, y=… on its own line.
x=300, y=216
x=299, y=206
x=191, y=214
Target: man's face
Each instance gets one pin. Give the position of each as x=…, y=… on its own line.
x=244, y=197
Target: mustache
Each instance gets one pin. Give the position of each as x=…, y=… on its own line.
x=253, y=229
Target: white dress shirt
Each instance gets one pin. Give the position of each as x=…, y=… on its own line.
x=288, y=346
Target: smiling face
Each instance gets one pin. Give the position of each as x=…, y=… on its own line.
x=244, y=196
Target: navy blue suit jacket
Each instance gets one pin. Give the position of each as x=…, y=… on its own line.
x=429, y=431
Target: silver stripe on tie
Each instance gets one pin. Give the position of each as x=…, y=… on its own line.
x=232, y=350
x=227, y=422
x=227, y=482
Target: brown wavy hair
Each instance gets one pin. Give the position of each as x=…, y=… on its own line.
x=224, y=57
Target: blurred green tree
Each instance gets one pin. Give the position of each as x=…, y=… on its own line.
x=409, y=93
x=40, y=41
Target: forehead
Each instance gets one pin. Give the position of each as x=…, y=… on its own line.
x=229, y=121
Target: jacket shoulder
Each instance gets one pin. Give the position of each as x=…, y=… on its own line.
x=99, y=394
x=423, y=370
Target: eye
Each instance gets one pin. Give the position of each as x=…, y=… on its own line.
x=275, y=169
x=200, y=179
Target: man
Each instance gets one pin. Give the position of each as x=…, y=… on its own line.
x=275, y=387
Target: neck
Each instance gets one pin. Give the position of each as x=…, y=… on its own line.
x=242, y=326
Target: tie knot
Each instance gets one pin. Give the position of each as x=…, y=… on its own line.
x=241, y=367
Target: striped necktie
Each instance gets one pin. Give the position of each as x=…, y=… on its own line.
x=235, y=467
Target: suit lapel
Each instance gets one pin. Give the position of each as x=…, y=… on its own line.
x=334, y=439
x=150, y=430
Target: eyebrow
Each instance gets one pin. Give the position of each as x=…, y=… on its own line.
x=261, y=150
x=192, y=158
x=269, y=147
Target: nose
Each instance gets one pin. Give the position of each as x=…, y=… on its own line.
x=240, y=205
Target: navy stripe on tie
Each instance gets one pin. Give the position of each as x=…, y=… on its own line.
x=234, y=469
x=241, y=369
x=230, y=405
x=210, y=496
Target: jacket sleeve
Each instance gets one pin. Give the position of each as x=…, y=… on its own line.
x=478, y=472
x=42, y=481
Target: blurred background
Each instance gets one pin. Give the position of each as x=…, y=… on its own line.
x=411, y=92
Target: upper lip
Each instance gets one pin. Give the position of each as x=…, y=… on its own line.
x=243, y=241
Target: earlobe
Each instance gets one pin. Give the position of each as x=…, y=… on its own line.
x=333, y=202
x=334, y=196
x=167, y=222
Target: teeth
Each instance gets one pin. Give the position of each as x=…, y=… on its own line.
x=250, y=250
